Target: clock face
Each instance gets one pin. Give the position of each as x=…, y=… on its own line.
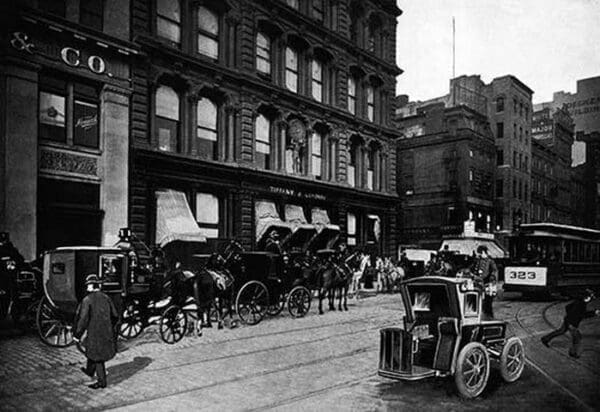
x=296, y=130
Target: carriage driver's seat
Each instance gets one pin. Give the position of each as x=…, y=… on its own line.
x=446, y=344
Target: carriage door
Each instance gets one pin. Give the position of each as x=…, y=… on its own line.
x=68, y=214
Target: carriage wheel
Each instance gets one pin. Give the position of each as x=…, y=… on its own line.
x=276, y=307
x=53, y=328
x=24, y=315
x=173, y=324
x=131, y=322
x=252, y=302
x=472, y=370
x=299, y=301
x=512, y=360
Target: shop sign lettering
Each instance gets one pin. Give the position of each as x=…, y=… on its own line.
x=296, y=193
x=72, y=57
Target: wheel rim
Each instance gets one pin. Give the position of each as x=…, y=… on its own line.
x=53, y=330
x=132, y=321
x=173, y=325
x=299, y=303
x=276, y=308
x=474, y=370
x=514, y=359
x=253, y=302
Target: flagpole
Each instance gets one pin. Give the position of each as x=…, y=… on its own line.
x=453, y=48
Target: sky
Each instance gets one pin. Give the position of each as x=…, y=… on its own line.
x=547, y=44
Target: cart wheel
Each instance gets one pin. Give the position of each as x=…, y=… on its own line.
x=131, y=323
x=276, y=308
x=472, y=370
x=173, y=324
x=252, y=302
x=512, y=360
x=53, y=328
x=299, y=301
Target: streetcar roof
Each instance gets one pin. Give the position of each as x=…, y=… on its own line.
x=558, y=231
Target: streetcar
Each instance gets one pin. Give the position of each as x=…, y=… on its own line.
x=549, y=257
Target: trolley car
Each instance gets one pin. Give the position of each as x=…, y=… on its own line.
x=548, y=257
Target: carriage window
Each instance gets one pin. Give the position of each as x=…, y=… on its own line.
x=421, y=301
x=471, y=308
x=430, y=300
x=111, y=268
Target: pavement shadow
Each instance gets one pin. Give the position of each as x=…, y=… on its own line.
x=123, y=371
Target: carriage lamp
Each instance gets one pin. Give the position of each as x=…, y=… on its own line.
x=11, y=265
x=467, y=285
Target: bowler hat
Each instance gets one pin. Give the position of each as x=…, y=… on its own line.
x=92, y=280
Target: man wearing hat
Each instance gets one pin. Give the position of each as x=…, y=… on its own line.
x=485, y=268
x=575, y=312
x=272, y=244
x=97, y=315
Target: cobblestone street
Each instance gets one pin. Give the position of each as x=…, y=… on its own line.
x=315, y=363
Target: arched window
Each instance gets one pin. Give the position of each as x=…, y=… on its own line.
x=317, y=80
x=370, y=103
x=316, y=155
x=291, y=69
x=354, y=162
x=208, y=32
x=206, y=130
x=263, y=53
x=168, y=20
x=262, y=138
x=351, y=94
x=167, y=113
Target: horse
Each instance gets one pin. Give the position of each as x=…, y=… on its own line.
x=392, y=275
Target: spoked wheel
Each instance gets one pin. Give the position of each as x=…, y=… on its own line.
x=299, y=301
x=53, y=327
x=173, y=324
x=252, y=302
x=131, y=323
x=512, y=360
x=276, y=306
x=472, y=370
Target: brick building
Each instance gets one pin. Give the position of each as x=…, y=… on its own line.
x=446, y=165
x=266, y=109
x=506, y=102
x=65, y=83
x=552, y=191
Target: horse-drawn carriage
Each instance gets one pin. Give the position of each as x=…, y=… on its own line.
x=444, y=335
x=64, y=273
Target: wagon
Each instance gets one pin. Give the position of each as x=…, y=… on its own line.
x=444, y=335
x=64, y=273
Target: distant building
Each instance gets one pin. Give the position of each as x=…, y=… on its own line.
x=506, y=104
x=552, y=138
x=591, y=178
x=584, y=108
x=446, y=164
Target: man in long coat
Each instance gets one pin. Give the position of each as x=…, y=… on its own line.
x=97, y=315
x=485, y=268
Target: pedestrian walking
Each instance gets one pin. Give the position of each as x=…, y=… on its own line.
x=98, y=316
x=575, y=312
x=485, y=268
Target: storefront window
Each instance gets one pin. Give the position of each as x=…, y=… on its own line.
x=263, y=53
x=351, y=226
x=317, y=80
x=207, y=214
x=373, y=229
x=206, y=131
x=52, y=117
x=262, y=138
x=291, y=69
x=208, y=33
x=167, y=119
x=168, y=20
x=316, y=157
x=85, y=124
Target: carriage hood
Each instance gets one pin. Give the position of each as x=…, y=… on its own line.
x=431, y=294
x=327, y=233
x=174, y=219
x=267, y=219
x=302, y=231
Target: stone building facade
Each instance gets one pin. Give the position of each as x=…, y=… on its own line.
x=264, y=107
x=446, y=166
x=65, y=83
x=551, y=183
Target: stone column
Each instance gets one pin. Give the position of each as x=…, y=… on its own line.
x=115, y=162
x=18, y=154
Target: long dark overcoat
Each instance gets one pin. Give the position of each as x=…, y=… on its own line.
x=97, y=315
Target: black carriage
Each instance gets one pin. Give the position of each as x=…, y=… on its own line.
x=444, y=335
x=20, y=290
x=64, y=273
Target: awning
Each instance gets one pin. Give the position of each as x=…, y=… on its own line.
x=327, y=233
x=467, y=246
x=266, y=218
x=174, y=219
x=302, y=231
